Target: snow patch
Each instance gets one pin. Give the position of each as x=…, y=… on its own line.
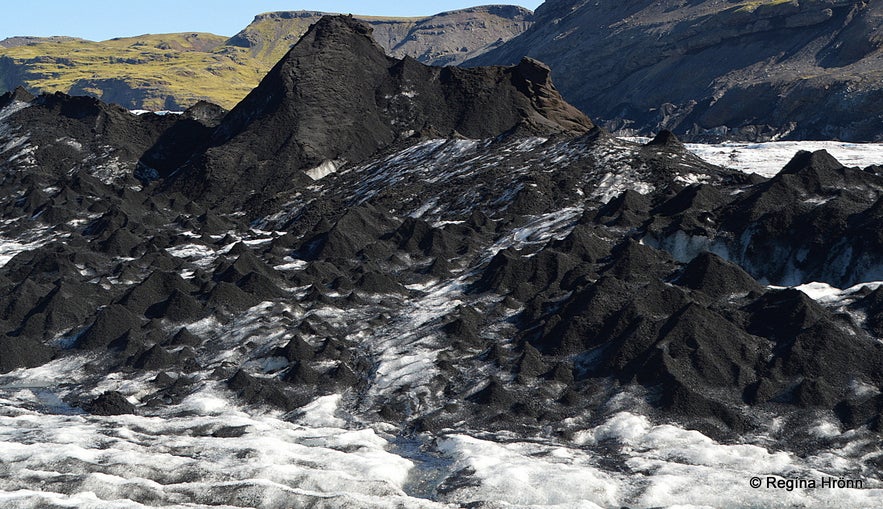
x=324, y=169
x=614, y=184
x=826, y=294
x=9, y=248
x=200, y=255
x=160, y=112
x=522, y=474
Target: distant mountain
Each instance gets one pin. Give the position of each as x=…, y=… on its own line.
x=448, y=38
x=174, y=71
x=12, y=42
x=713, y=69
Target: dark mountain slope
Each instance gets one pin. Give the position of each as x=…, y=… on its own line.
x=58, y=134
x=713, y=69
x=336, y=98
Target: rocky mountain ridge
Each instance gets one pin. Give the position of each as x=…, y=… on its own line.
x=714, y=69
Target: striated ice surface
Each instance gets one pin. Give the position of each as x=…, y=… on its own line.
x=208, y=451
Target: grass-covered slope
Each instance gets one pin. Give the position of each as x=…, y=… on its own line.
x=174, y=71
x=150, y=71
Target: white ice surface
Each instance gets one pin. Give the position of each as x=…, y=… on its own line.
x=200, y=254
x=614, y=184
x=523, y=474
x=829, y=295
x=292, y=264
x=323, y=170
x=207, y=451
x=9, y=248
x=539, y=230
x=160, y=112
x=173, y=460
x=767, y=159
x=13, y=144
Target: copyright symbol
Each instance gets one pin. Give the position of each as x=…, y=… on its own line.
x=755, y=482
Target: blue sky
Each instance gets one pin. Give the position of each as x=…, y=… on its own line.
x=105, y=19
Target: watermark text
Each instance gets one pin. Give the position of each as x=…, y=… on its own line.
x=772, y=482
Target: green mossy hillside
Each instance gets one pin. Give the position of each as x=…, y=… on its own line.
x=167, y=71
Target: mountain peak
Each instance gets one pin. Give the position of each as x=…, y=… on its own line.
x=336, y=96
x=665, y=138
x=338, y=32
x=534, y=70
x=818, y=160
x=329, y=26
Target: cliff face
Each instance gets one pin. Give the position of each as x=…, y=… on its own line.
x=712, y=69
x=448, y=38
x=174, y=71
